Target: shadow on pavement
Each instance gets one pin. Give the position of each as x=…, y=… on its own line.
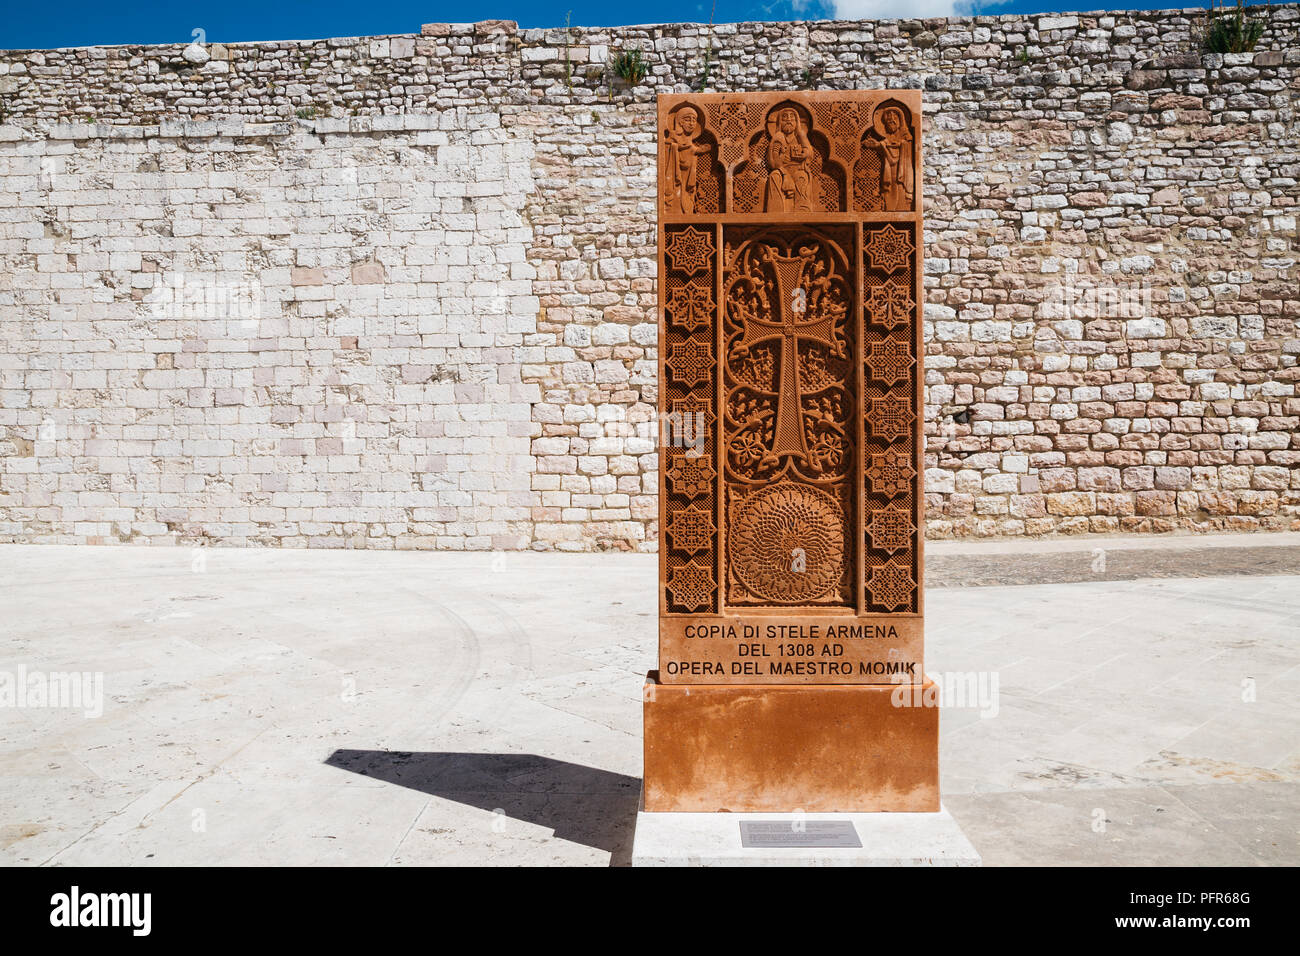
x=596, y=808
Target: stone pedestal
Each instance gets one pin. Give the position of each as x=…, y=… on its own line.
x=782, y=748
x=888, y=839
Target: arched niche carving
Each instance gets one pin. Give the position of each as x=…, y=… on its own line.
x=883, y=176
x=788, y=168
x=689, y=153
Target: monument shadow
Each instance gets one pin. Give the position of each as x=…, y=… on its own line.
x=596, y=808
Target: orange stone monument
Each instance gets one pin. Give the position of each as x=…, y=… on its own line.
x=791, y=531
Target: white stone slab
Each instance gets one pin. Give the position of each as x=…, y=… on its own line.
x=888, y=839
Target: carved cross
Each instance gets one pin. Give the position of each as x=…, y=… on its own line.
x=795, y=288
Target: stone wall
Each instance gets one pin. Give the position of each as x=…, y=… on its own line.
x=400, y=291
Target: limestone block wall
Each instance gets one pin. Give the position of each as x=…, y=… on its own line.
x=268, y=334
x=449, y=241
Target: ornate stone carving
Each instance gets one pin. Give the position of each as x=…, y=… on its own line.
x=787, y=542
x=691, y=361
x=790, y=346
x=891, y=585
x=688, y=393
x=890, y=417
x=691, y=529
x=690, y=475
x=890, y=360
x=792, y=296
x=689, y=250
x=889, y=248
x=890, y=529
x=691, y=305
x=694, y=416
x=890, y=304
x=890, y=474
x=692, y=585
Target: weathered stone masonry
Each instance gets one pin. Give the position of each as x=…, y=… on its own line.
x=449, y=239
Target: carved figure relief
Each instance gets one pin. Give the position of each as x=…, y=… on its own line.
x=790, y=183
x=884, y=176
x=895, y=143
x=683, y=150
x=788, y=167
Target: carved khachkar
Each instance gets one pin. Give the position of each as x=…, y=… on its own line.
x=790, y=473
x=790, y=376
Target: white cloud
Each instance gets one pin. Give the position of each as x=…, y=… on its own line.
x=898, y=9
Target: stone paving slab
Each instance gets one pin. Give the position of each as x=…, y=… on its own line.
x=341, y=707
x=948, y=571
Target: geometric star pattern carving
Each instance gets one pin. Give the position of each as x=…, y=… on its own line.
x=891, y=473
x=890, y=529
x=691, y=529
x=890, y=304
x=890, y=417
x=891, y=585
x=689, y=250
x=695, y=417
x=691, y=585
x=691, y=305
x=692, y=361
x=890, y=360
x=689, y=476
x=889, y=249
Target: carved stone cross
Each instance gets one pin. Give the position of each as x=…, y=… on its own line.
x=788, y=327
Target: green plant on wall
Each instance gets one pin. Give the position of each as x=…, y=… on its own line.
x=568, y=65
x=631, y=66
x=708, y=51
x=1231, y=31
x=811, y=76
x=708, y=67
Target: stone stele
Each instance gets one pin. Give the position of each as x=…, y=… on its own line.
x=790, y=505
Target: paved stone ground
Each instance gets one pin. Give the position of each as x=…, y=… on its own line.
x=951, y=564
x=329, y=707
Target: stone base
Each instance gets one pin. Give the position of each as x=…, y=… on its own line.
x=782, y=748
x=888, y=839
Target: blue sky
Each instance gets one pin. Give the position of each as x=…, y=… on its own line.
x=35, y=24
